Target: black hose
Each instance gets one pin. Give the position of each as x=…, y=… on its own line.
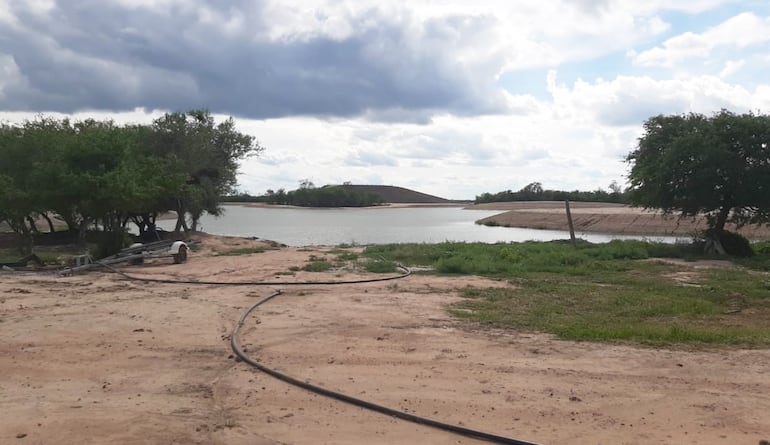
x=480, y=435
x=355, y=401
x=406, y=273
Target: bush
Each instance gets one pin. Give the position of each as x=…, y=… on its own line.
x=733, y=243
x=111, y=242
x=317, y=266
x=380, y=267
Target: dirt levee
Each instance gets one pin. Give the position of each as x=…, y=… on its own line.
x=94, y=358
x=602, y=218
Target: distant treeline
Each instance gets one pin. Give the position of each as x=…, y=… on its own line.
x=535, y=192
x=310, y=196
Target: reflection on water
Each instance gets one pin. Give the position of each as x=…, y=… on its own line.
x=383, y=225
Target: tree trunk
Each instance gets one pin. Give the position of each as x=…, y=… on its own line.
x=50, y=223
x=32, y=225
x=195, y=217
x=71, y=221
x=181, y=212
x=181, y=223
x=82, y=229
x=724, y=212
x=26, y=240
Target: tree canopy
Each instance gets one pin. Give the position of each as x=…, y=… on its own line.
x=534, y=192
x=718, y=166
x=308, y=195
x=99, y=173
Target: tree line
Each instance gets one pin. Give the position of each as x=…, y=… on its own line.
x=95, y=173
x=535, y=192
x=308, y=195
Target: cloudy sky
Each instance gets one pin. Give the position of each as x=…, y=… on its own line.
x=450, y=97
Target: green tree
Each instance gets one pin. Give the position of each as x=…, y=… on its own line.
x=207, y=154
x=22, y=150
x=717, y=166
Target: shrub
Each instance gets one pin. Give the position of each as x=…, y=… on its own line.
x=317, y=266
x=733, y=243
x=380, y=267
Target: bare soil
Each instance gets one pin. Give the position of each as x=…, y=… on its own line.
x=94, y=358
x=603, y=218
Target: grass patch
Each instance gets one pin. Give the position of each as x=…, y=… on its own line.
x=317, y=266
x=380, y=267
x=346, y=256
x=242, y=251
x=603, y=292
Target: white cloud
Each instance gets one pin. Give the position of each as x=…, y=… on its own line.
x=7, y=18
x=9, y=73
x=370, y=158
x=738, y=32
x=402, y=92
x=731, y=67
x=629, y=100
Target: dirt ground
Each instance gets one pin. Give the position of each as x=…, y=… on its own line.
x=603, y=218
x=96, y=359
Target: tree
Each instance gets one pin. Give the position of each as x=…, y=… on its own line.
x=532, y=191
x=206, y=153
x=23, y=149
x=718, y=166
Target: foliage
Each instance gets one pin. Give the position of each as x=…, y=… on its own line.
x=508, y=259
x=733, y=244
x=535, y=192
x=206, y=154
x=307, y=195
x=380, y=267
x=98, y=174
x=317, y=266
x=718, y=166
x=343, y=255
x=603, y=292
x=243, y=251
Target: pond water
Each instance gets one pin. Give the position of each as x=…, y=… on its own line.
x=381, y=225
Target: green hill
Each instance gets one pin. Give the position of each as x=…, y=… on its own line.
x=397, y=195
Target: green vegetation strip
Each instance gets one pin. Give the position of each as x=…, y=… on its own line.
x=243, y=251
x=605, y=292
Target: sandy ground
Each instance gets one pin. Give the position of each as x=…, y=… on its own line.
x=603, y=218
x=96, y=359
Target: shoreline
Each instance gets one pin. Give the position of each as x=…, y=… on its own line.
x=261, y=205
x=605, y=218
x=588, y=217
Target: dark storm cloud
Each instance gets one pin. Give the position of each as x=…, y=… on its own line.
x=94, y=55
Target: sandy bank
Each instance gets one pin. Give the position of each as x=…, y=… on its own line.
x=602, y=218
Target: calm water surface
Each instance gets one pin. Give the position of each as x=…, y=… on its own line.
x=383, y=225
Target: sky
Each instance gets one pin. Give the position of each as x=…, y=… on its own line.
x=449, y=97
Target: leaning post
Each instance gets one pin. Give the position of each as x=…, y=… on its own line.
x=571, y=227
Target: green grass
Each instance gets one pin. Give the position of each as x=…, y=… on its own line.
x=242, y=251
x=345, y=256
x=380, y=267
x=604, y=292
x=317, y=266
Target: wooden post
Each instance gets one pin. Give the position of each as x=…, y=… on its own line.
x=571, y=227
